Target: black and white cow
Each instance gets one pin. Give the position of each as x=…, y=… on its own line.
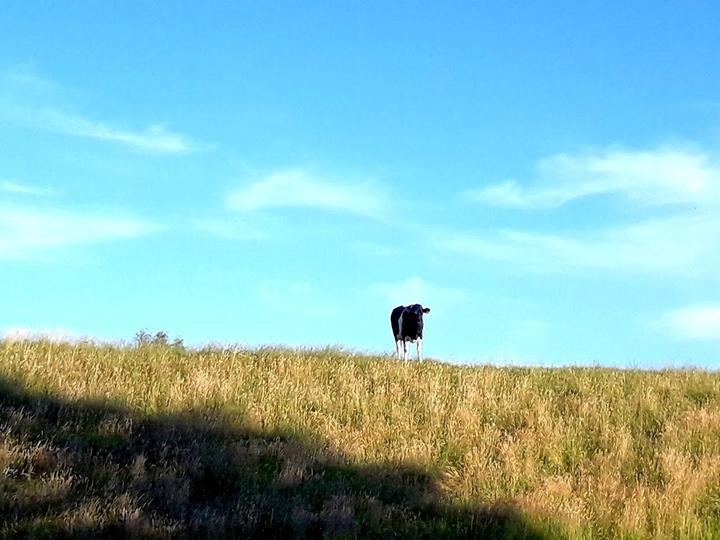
x=407, y=325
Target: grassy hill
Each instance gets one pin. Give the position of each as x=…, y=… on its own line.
x=159, y=441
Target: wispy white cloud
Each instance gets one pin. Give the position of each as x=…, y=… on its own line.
x=27, y=232
x=695, y=322
x=682, y=243
x=417, y=290
x=297, y=188
x=24, y=78
x=685, y=244
x=666, y=175
x=32, y=101
x=155, y=138
x=16, y=188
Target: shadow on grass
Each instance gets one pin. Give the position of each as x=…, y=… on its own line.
x=85, y=469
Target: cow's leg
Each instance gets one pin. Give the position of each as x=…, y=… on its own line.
x=405, y=350
x=398, y=348
x=418, y=345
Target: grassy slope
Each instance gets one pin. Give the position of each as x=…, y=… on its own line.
x=158, y=441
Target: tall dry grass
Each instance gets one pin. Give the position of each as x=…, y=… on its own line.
x=576, y=452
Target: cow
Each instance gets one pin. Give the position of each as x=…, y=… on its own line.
x=407, y=325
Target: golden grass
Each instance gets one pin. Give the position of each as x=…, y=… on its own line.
x=578, y=452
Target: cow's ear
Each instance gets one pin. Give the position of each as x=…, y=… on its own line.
x=426, y=310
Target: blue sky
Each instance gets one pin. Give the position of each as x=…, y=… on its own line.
x=545, y=178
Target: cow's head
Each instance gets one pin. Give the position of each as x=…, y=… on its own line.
x=417, y=310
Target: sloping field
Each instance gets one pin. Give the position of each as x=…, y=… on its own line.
x=157, y=441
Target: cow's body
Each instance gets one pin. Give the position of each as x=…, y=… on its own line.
x=407, y=326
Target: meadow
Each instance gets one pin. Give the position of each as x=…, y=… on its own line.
x=154, y=440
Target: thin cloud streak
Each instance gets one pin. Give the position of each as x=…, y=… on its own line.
x=657, y=177
x=32, y=101
x=27, y=233
x=16, y=188
x=695, y=322
x=155, y=138
x=23, y=78
x=296, y=188
x=683, y=245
